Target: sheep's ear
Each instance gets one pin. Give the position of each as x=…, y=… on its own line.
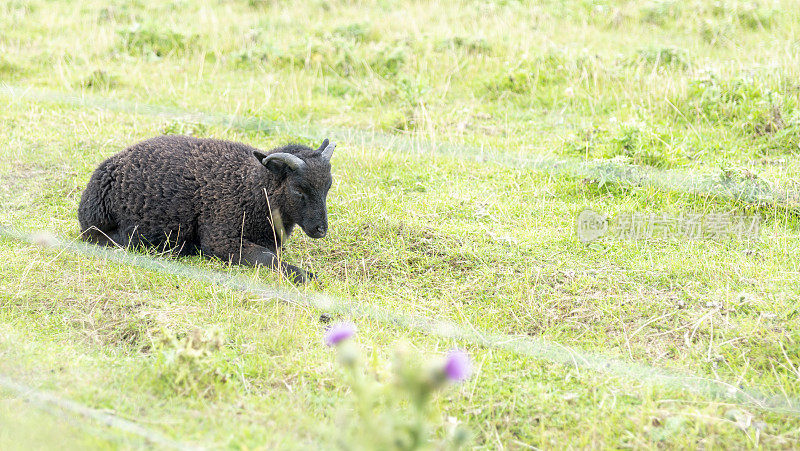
x=259, y=156
x=327, y=150
x=280, y=162
x=323, y=146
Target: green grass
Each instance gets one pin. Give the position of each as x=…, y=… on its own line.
x=26, y=428
x=486, y=244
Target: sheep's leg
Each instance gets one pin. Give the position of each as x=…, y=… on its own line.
x=108, y=238
x=254, y=255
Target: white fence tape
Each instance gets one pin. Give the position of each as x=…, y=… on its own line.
x=49, y=402
x=751, y=191
x=537, y=348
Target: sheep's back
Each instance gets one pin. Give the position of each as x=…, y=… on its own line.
x=169, y=183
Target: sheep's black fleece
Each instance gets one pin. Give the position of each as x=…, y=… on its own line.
x=224, y=199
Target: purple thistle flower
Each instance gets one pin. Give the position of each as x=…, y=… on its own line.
x=458, y=366
x=338, y=333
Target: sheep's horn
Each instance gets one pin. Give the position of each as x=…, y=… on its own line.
x=293, y=161
x=327, y=152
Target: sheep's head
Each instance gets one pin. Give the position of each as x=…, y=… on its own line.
x=306, y=175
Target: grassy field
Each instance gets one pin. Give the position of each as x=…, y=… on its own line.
x=710, y=89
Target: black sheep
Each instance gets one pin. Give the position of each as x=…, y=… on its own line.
x=221, y=198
